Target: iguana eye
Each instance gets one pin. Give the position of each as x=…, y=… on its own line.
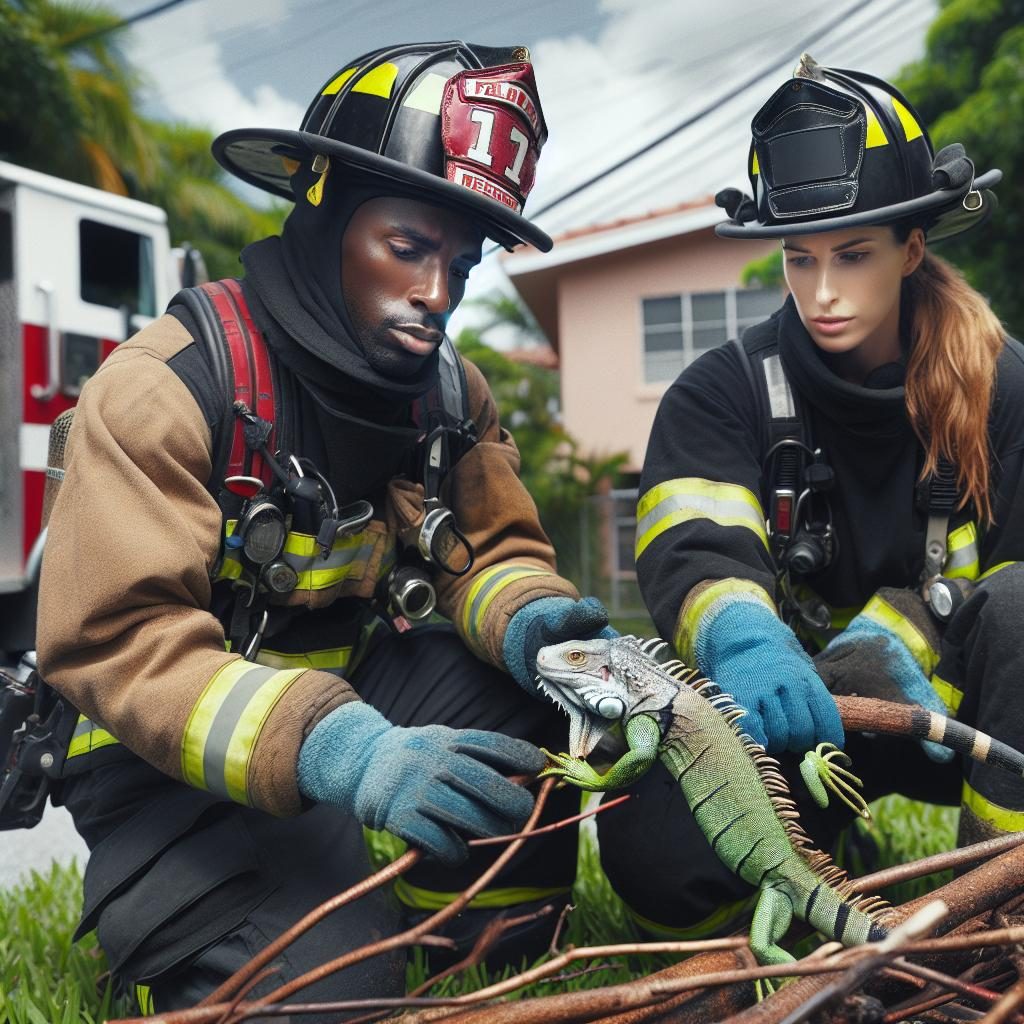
x=575, y=657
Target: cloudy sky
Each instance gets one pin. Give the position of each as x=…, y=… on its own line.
x=613, y=75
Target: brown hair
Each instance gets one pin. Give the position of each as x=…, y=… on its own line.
x=955, y=342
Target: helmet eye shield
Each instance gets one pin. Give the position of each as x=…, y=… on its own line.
x=810, y=152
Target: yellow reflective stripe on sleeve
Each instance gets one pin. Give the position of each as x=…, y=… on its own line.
x=681, y=500
x=336, y=657
x=911, y=129
x=335, y=86
x=998, y=567
x=487, y=899
x=225, y=725
x=1004, y=818
x=726, y=916
x=693, y=611
x=875, y=135
x=87, y=737
x=486, y=588
x=948, y=694
x=879, y=610
x=962, y=548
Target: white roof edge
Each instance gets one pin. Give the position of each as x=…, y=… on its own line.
x=612, y=239
x=80, y=193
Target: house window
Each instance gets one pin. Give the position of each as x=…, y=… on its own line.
x=678, y=328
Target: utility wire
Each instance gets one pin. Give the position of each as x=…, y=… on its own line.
x=149, y=12
x=747, y=83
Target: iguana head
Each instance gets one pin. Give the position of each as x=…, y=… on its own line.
x=601, y=682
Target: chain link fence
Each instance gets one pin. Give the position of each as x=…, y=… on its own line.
x=596, y=553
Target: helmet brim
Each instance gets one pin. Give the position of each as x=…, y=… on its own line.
x=257, y=156
x=946, y=205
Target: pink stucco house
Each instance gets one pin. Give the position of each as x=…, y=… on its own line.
x=627, y=305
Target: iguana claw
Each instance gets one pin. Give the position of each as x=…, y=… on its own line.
x=827, y=765
x=572, y=770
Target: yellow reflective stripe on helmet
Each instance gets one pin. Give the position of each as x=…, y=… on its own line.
x=487, y=899
x=879, y=610
x=334, y=657
x=378, y=81
x=87, y=737
x=692, y=612
x=225, y=724
x=911, y=129
x=1004, y=818
x=726, y=916
x=998, y=567
x=486, y=588
x=948, y=694
x=962, y=547
x=682, y=500
x=335, y=86
x=875, y=135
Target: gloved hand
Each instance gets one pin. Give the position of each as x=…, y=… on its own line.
x=889, y=651
x=753, y=655
x=424, y=784
x=550, y=620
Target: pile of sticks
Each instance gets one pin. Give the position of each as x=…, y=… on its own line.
x=973, y=970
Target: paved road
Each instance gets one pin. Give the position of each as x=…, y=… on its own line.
x=54, y=838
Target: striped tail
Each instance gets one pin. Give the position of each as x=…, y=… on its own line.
x=866, y=714
x=835, y=911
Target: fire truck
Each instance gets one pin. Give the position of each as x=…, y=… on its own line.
x=80, y=271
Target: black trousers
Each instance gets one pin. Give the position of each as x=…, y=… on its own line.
x=659, y=862
x=184, y=889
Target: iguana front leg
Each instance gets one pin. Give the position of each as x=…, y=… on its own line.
x=643, y=736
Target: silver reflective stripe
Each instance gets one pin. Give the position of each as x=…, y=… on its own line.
x=218, y=739
x=335, y=560
x=780, y=398
x=719, y=510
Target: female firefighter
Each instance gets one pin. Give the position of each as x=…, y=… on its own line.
x=845, y=480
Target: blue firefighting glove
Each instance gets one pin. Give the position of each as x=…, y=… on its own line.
x=425, y=784
x=755, y=657
x=889, y=651
x=550, y=620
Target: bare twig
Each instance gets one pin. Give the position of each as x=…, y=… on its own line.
x=360, y=889
x=554, y=826
x=938, y=862
x=1008, y=1005
x=562, y=918
x=964, y=988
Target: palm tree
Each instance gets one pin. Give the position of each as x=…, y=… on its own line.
x=69, y=95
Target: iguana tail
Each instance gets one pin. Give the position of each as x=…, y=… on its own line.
x=866, y=714
x=831, y=906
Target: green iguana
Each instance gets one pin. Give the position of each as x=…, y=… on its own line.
x=735, y=791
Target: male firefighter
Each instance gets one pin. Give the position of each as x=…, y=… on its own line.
x=262, y=489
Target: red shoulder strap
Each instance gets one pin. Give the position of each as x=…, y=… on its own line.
x=250, y=367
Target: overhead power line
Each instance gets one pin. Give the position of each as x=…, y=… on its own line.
x=788, y=58
x=149, y=12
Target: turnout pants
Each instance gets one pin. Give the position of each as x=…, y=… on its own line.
x=659, y=862
x=184, y=888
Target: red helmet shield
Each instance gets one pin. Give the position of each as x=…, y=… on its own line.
x=493, y=129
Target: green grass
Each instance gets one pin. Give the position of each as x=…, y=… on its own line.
x=45, y=979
